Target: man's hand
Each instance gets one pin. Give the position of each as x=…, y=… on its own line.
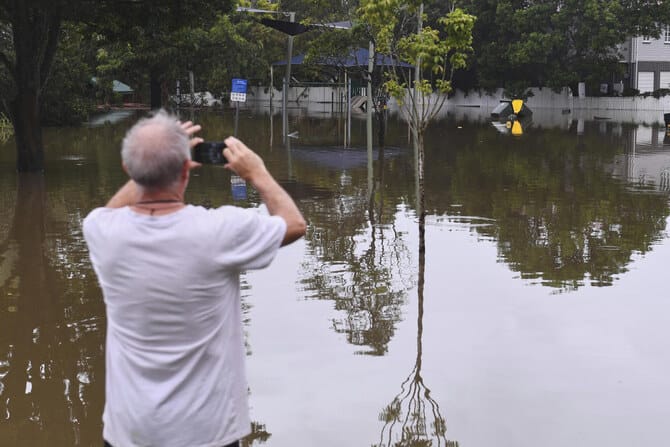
x=248, y=165
x=242, y=160
x=190, y=130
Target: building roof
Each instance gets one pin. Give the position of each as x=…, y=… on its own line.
x=120, y=87
x=117, y=86
x=356, y=58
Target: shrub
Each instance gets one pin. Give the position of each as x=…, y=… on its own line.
x=630, y=92
x=6, y=128
x=661, y=92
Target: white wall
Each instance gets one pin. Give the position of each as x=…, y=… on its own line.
x=654, y=50
x=543, y=98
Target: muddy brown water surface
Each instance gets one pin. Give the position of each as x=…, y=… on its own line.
x=527, y=306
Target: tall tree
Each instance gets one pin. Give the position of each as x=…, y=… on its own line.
x=435, y=52
x=33, y=29
x=556, y=43
x=29, y=37
x=151, y=39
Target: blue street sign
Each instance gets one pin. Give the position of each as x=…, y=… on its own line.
x=239, y=85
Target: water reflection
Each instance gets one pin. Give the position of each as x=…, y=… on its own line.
x=554, y=201
x=50, y=360
x=569, y=206
x=358, y=260
x=258, y=436
x=413, y=417
x=645, y=163
x=560, y=217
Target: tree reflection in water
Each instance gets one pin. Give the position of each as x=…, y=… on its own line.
x=45, y=396
x=259, y=435
x=413, y=417
x=561, y=219
x=365, y=276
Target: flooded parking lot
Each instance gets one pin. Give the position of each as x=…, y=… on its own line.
x=518, y=299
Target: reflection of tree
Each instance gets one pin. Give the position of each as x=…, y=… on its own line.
x=559, y=216
x=362, y=274
x=357, y=256
x=46, y=368
x=259, y=435
x=413, y=417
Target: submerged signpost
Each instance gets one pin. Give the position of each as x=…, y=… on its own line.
x=238, y=94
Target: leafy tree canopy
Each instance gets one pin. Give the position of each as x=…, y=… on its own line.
x=557, y=42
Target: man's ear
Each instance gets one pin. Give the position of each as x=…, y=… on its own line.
x=125, y=168
x=186, y=167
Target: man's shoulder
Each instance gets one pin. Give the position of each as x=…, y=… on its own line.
x=244, y=219
x=96, y=213
x=100, y=213
x=245, y=214
x=226, y=211
x=96, y=222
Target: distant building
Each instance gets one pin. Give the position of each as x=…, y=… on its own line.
x=126, y=92
x=648, y=62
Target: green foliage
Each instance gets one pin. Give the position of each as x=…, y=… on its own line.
x=7, y=86
x=6, y=128
x=557, y=43
x=660, y=93
x=438, y=49
x=627, y=92
x=67, y=95
x=160, y=47
x=516, y=44
x=518, y=90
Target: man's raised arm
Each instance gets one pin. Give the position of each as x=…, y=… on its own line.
x=248, y=165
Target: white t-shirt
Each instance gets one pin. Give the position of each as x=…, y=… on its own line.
x=175, y=373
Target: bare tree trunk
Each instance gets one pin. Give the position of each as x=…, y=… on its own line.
x=381, y=127
x=25, y=112
x=35, y=31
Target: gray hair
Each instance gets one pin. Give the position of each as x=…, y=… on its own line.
x=154, y=151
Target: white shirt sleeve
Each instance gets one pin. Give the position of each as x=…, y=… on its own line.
x=249, y=238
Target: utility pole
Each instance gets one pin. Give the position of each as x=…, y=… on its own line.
x=371, y=66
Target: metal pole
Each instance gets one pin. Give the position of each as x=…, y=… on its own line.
x=191, y=83
x=371, y=55
x=237, y=116
x=287, y=80
x=272, y=86
x=290, y=52
x=349, y=112
x=271, y=128
x=178, y=94
x=342, y=101
x=284, y=118
x=346, y=111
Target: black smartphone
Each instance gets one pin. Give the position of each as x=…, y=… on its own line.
x=209, y=152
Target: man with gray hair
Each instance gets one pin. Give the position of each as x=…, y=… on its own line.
x=170, y=273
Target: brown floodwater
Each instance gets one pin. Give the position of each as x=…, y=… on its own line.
x=517, y=296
